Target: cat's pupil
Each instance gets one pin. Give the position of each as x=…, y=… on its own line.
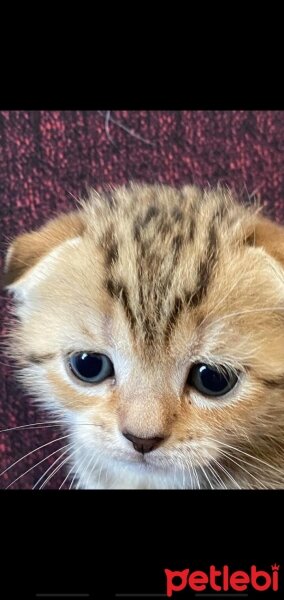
x=91, y=367
x=88, y=365
x=210, y=381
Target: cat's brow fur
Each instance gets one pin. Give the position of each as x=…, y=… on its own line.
x=159, y=279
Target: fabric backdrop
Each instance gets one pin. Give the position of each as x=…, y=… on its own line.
x=47, y=158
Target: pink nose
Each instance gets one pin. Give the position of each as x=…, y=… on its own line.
x=143, y=444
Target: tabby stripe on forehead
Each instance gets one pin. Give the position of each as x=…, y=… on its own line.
x=113, y=288
x=205, y=269
x=141, y=223
x=152, y=212
x=110, y=245
x=191, y=230
x=203, y=279
x=119, y=291
x=112, y=253
x=176, y=245
x=136, y=229
x=174, y=314
x=164, y=227
x=190, y=298
x=127, y=307
x=149, y=330
x=141, y=295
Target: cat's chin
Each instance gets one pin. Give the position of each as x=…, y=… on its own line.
x=141, y=461
x=136, y=472
x=124, y=469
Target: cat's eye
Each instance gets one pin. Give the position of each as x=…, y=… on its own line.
x=90, y=366
x=210, y=381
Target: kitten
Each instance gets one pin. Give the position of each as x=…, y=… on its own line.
x=151, y=322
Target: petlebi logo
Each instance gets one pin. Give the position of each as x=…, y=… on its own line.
x=222, y=579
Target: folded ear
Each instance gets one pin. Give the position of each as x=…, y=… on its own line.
x=29, y=249
x=269, y=236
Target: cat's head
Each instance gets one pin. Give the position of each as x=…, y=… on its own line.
x=152, y=320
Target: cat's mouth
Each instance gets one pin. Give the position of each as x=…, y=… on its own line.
x=147, y=461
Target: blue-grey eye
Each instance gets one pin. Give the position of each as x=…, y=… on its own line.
x=90, y=366
x=211, y=382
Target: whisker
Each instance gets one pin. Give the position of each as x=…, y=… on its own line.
x=190, y=473
x=97, y=457
x=247, y=454
x=77, y=471
x=83, y=471
x=216, y=475
x=227, y=473
x=58, y=468
x=241, y=460
x=56, y=461
x=34, y=426
x=237, y=462
x=32, y=452
x=195, y=473
x=73, y=479
x=202, y=469
x=189, y=465
x=47, y=424
x=53, y=473
x=176, y=472
x=100, y=472
x=106, y=473
x=243, y=468
x=67, y=476
x=86, y=470
x=183, y=474
x=183, y=467
x=173, y=463
x=33, y=467
x=69, y=472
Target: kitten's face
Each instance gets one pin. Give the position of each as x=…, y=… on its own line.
x=168, y=297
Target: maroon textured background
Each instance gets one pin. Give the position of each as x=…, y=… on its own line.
x=46, y=157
